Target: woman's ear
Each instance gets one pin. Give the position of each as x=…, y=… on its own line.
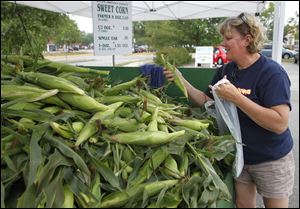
x=248, y=39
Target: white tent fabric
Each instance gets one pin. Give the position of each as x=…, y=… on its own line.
x=174, y=10
x=158, y=10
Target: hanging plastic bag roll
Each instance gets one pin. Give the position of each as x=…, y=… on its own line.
x=227, y=118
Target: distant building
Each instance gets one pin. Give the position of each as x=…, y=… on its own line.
x=291, y=43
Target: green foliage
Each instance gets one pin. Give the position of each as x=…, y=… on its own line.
x=293, y=26
x=178, y=33
x=175, y=56
x=41, y=26
x=267, y=18
x=87, y=38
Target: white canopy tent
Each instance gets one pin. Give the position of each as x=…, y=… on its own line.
x=174, y=10
x=158, y=10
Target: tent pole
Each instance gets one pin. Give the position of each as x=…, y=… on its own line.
x=113, y=60
x=278, y=31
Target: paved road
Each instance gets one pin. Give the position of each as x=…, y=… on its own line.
x=293, y=72
x=136, y=59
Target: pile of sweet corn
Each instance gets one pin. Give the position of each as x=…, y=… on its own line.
x=71, y=139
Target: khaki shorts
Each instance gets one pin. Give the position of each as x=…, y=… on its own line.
x=274, y=179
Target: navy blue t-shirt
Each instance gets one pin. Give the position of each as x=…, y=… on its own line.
x=266, y=83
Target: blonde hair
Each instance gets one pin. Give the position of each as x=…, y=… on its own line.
x=245, y=24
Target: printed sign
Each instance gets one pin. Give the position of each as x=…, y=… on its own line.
x=112, y=27
x=204, y=56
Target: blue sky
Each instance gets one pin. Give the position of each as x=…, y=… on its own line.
x=86, y=24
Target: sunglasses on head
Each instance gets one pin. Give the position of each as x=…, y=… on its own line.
x=244, y=18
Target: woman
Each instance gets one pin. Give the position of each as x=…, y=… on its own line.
x=260, y=88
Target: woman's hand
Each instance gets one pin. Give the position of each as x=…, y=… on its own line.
x=169, y=74
x=228, y=92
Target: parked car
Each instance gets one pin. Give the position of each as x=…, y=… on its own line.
x=296, y=57
x=286, y=53
x=139, y=49
x=219, y=56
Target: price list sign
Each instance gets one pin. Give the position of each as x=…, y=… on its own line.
x=112, y=27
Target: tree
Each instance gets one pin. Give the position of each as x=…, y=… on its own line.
x=87, y=38
x=30, y=29
x=178, y=33
x=267, y=19
x=293, y=26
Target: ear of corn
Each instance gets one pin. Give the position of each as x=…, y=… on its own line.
x=150, y=165
x=124, y=112
x=153, y=188
x=68, y=198
x=114, y=200
x=120, y=198
x=62, y=67
x=184, y=164
x=163, y=127
x=91, y=127
x=61, y=130
x=124, y=124
x=26, y=106
x=171, y=167
x=83, y=102
x=52, y=109
x=122, y=98
x=177, y=78
x=153, y=125
x=127, y=155
x=120, y=87
x=192, y=124
x=51, y=82
x=77, y=126
x=77, y=81
x=146, y=138
x=150, y=96
x=31, y=94
x=96, y=186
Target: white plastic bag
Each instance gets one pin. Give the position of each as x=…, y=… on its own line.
x=227, y=118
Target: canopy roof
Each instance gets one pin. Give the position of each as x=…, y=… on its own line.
x=174, y=10
x=158, y=10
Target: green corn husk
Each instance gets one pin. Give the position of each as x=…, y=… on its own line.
x=120, y=198
x=68, y=198
x=31, y=93
x=77, y=81
x=77, y=126
x=62, y=67
x=52, y=109
x=163, y=127
x=177, y=78
x=146, y=171
x=171, y=167
x=83, y=102
x=146, y=138
x=115, y=90
x=91, y=127
x=184, y=164
x=124, y=112
x=124, y=124
x=26, y=106
x=121, y=98
x=61, y=130
x=150, y=96
x=192, y=124
x=153, y=125
x=51, y=82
